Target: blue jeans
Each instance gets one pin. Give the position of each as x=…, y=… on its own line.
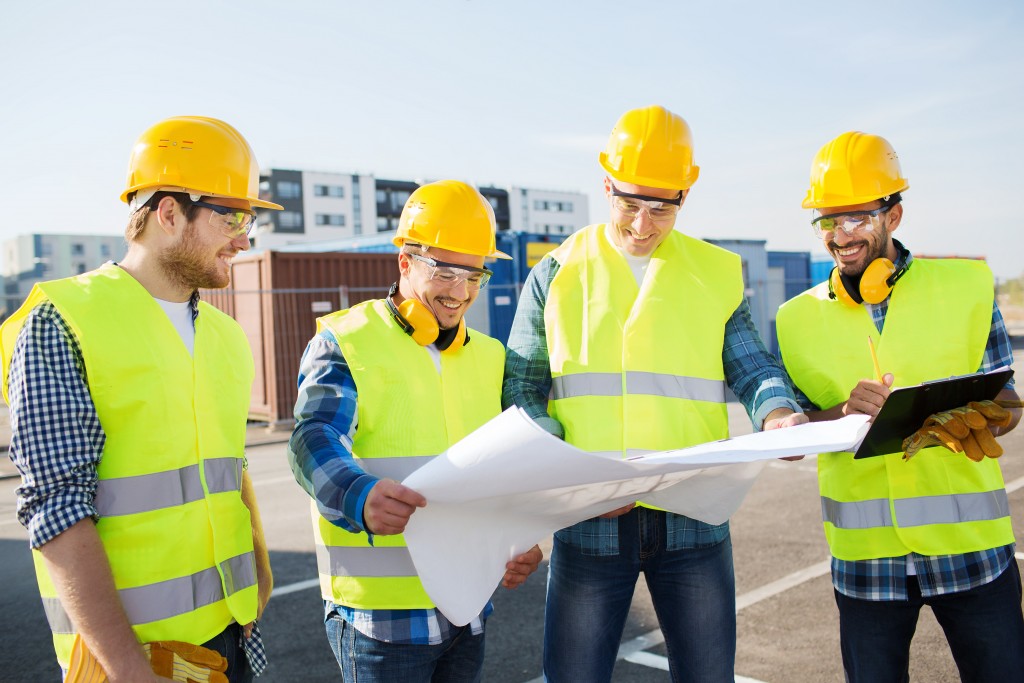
x=693, y=591
x=983, y=625
x=362, y=659
x=228, y=643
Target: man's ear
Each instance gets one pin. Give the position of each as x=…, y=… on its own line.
x=895, y=216
x=404, y=263
x=169, y=215
x=607, y=186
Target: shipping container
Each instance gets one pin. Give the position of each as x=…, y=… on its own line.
x=276, y=297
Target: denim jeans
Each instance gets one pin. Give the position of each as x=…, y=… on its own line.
x=362, y=659
x=228, y=643
x=983, y=625
x=693, y=591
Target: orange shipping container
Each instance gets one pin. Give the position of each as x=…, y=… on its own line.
x=277, y=296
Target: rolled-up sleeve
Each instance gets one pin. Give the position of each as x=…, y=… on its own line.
x=57, y=439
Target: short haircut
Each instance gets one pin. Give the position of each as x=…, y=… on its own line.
x=137, y=221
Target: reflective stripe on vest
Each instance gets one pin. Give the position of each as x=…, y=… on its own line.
x=352, y=561
x=649, y=383
x=406, y=415
x=397, y=468
x=147, y=492
x=166, y=599
x=911, y=512
x=941, y=503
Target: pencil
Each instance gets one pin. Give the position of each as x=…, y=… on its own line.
x=874, y=358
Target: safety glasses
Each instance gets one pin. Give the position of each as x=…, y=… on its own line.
x=452, y=274
x=232, y=222
x=849, y=222
x=659, y=210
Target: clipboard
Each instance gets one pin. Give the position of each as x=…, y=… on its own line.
x=905, y=410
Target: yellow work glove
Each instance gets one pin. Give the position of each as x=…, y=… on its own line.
x=171, y=659
x=186, y=662
x=961, y=430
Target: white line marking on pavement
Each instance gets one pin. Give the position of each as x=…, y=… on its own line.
x=785, y=583
x=648, y=659
x=294, y=587
x=1014, y=485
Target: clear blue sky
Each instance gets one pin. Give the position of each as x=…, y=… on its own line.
x=526, y=93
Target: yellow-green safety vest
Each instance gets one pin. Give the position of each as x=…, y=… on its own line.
x=936, y=326
x=634, y=368
x=171, y=517
x=407, y=413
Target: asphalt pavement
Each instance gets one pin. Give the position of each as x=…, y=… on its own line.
x=787, y=621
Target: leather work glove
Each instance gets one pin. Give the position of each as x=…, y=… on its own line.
x=186, y=662
x=961, y=430
x=171, y=659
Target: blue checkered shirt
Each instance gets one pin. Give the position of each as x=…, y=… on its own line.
x=57, y=440
x=753, y=374
x=885, y=578
x=320, y=455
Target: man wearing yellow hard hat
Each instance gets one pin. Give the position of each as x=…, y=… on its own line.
x=129, y=398
x=929, y=525
x=624, y=341
x=385, y=386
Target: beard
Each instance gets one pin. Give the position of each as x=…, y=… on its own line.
x=188, y=266
x=873, y=250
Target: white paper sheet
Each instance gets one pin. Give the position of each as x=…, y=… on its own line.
x=510, y=484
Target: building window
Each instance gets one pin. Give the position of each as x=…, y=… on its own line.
x=288, y=189
x=80, y=268
x=289, y=219
x=383, y=225
x=335, y=219
x=540, y=205
x=105, y=250
x=77, y=249
x=329, y=191
x=47, y=249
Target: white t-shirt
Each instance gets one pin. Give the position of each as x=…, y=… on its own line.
x=180, y=315
x=637, y=264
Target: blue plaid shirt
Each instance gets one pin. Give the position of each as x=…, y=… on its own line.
x=57, y=440
x=753, y=374
x=885, y=578
x=320, y=455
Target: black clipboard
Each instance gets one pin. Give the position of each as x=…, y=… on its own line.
x=907, y=407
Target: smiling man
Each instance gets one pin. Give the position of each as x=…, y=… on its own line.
x=129, y=398
x=624, y=341
x=384, y=387
x=933, y=530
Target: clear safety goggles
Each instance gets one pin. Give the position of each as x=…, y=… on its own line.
x=452, y=274
x=231, y=221
x=658, y=210
x=849, y=222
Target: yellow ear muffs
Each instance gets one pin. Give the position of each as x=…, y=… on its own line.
x=417, y=321
x=874, y=285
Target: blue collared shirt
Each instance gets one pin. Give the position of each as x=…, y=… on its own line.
x=885, y=578
x=320, y=455
x=58, y=441
x=753, y=374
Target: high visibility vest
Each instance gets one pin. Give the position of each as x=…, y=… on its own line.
x=639, y=369
x=407, y=414
x=937, y=325
x=172, y=521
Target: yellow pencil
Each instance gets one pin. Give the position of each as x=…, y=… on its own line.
x=874, y=359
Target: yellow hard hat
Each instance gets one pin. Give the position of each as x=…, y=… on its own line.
x=198, y=155
x=652, y=147
x=452, y=215
x=854, y=168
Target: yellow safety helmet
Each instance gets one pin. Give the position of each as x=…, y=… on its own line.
x=652, y=147
x=854, y=168
x=452, y=215
x=197, y=155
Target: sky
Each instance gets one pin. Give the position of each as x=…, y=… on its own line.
x=525, y=93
